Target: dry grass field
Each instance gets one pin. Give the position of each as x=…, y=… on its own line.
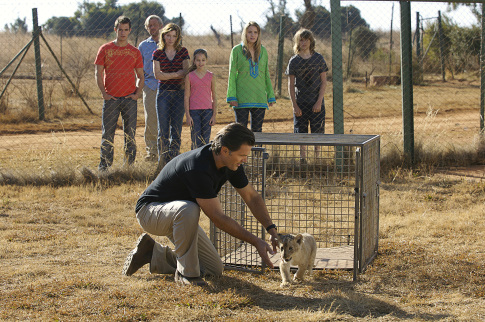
x=63, y=239
x=62, y=250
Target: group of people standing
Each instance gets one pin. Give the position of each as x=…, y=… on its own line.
x=188, y=183
x=171, y=87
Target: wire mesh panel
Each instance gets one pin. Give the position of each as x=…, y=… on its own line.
x=369, y=216
x=324, y=185
x=237, y=254
x=312, y=194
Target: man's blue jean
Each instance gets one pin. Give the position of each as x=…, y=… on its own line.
x=201, y=130
x=170, y=113
x=127, y=107
x=257, y=117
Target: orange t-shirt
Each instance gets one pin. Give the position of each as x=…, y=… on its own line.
x=119, y=68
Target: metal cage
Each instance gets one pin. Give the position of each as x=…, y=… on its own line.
x=323, y=184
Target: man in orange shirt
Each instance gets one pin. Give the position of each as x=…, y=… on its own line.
x=118, y=65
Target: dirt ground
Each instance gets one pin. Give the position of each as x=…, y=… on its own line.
x=444, y=125
x=472, y=173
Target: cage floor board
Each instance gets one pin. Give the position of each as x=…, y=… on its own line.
x=327, y=258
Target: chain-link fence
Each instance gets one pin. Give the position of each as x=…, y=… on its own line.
x=68, y=118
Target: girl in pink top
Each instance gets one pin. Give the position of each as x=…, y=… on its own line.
x=200, y=99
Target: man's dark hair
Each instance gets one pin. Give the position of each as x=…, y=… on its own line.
x=122, y=20
x=232, y=136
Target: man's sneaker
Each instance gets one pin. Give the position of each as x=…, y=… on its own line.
x=183, y=280
x=141, y=255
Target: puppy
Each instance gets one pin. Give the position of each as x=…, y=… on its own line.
x=298, y=250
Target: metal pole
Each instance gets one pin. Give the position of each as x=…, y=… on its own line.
x=337, y=77
x=26, y=47
x=180, y=25
x=281, y=43
x=419, y=71
x=390, y=44
x=482, y=72
x=349, y=59
x=418, y=36
x=25, y=50
x=407, y=80
x=65, y=74
x=38, y=62
x=232, y=34
x=442, y=45
x=357, y=216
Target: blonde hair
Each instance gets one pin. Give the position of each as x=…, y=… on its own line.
x=196, y=52
x=257, y=44
x=165, y=30
x=147, y=20
x=303, y=34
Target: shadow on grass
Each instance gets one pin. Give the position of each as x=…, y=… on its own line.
x=329, y=296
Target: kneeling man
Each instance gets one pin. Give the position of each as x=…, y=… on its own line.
x=171, y=205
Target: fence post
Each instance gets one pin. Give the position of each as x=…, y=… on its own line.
x=419, y=68
x=418, y=38
x=232, y=33
x=38, y=63
x=442, y=46
x=390, y=45
x=337, y=80
x=281, y=44
x=407, y=80
x=482, y=73
x=337, y=77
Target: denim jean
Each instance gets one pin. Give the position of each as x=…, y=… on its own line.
x=201, y=130
x=316, y=120
x=170, y=113
x=127, y=107
x=257, y=117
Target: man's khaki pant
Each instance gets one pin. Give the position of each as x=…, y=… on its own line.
x=193, y=255
x=151, y=121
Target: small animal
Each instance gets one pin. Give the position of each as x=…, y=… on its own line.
x=297, y=250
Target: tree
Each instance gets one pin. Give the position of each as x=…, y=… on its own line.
x=97, y=19
x=273, y=20
x=473, y=7
x=19, y=26
x=308, y=18
x=63, y=26
x=138, y=12
x=461, y=47
x=364, y=42
x=465, y=48
x=350, y=19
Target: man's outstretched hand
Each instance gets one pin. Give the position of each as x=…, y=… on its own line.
x=274, y=239
x=263, y=249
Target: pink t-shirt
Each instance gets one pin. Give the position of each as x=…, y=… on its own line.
x=119, y=68
x=200, y=91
